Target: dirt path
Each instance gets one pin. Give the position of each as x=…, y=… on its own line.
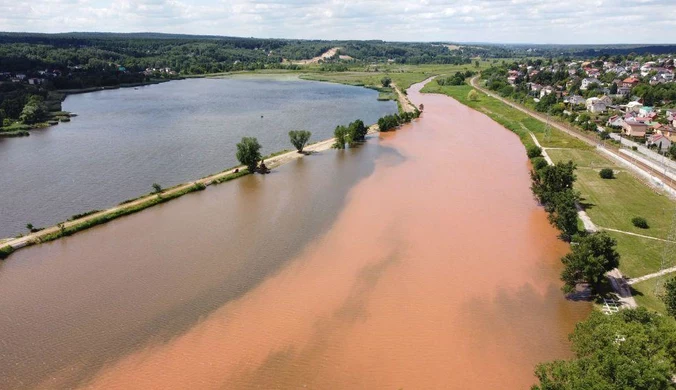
x=653, y=275
x=35, y=238
x=406, y=104
x=634, y=234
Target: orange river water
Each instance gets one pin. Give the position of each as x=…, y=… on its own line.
x=419, y=260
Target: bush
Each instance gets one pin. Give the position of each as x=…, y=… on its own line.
x=539, y=163
x=534, y=151
x=473, y=95
x=6, y=251
x=669, y=297
x=640, y=222
x=386, y=81
x=607, y=173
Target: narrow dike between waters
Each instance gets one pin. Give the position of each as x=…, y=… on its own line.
x=90, y=219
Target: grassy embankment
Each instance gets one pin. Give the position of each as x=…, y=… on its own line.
x=609, y=203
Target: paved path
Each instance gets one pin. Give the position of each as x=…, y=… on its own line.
x=635, y=234
x=665, y=271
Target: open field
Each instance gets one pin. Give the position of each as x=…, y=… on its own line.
x=645, y=293
x=613, y=203
x=640, y=256
x=584, y=158
x=402, y=75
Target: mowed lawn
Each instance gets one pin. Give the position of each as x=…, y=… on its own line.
x=612, y=203
x=639, y=256
x=582, y=158
x=644, y=293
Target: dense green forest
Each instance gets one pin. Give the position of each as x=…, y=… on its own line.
x=32, y=65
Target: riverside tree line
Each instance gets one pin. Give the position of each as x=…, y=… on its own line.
x=632, y=349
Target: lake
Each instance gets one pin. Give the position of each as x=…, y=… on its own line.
x=412, y=261
x=124, y=140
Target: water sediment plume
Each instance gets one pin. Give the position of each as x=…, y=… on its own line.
x=435, y=268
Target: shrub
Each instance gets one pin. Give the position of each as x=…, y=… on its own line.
x=473, y=95
x=534, y=151
x=6, y=251
x=386, y=81
x=539, y=163
x=607, y=173
x=640, y=222
x=669, y=297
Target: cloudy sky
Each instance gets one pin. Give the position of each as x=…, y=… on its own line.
x=522, y=21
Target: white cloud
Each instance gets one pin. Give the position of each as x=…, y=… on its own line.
x=532, y=21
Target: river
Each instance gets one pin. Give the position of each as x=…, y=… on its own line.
x=124, y=140
x=419, y=260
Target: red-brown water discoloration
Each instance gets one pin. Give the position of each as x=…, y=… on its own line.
x=440, y=272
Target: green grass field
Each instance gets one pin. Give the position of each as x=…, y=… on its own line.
x=583, y=158
x=645, y=293
x=639, y=256
x=613, y=203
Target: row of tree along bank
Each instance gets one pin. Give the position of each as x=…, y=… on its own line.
x=248, y=154
x=631, y=349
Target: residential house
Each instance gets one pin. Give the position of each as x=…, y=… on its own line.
x=634, y=107
x=586, y=82
x=663, y=143
x=615, y=121
x=634, y=128
x=548, y=90
x=607, y=100
x=624, y=91
x=595, y=105
x=575, y=100
x=645, y=111
x=630, y=82
x=668, y=132
x=647, y=67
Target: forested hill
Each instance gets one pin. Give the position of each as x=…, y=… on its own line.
x=188, y=54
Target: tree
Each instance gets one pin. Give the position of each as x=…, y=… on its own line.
x=669, y=297
x=607, y=173
x=248, y=153
x=613, y=89
x=473, y=95
x=299, y=139
x=534, y=151
x=563, y=213
x=589, y=261
x=386, y=81
x=30, y=227
x=552, y=179
x=340, y=133
x=632, y=349
x=357, y=130
x=157, y=188
x=476, y=64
